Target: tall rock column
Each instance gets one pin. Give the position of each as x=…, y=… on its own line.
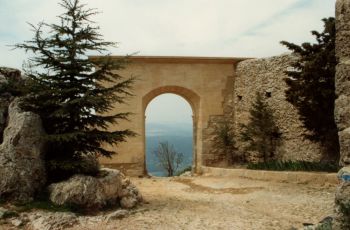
x=342, y=80
x=342, y=112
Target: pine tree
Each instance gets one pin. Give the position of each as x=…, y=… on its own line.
x=311, y=86
x=261, y=133
x=69, y=92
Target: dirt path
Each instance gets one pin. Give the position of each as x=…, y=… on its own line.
x=223, y=203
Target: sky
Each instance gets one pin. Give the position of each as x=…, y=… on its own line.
x=213, y=28
x=169, y=108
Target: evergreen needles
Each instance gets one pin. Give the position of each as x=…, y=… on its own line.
x=71, y=94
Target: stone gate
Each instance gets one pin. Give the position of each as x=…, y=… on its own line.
x=201, y=81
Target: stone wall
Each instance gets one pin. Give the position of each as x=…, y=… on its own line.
x=266, y=76
x=342, y=108
x=342, y=112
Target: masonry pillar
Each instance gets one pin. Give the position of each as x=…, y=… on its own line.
x=342, y=112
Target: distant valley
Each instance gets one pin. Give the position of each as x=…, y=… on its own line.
x=177, y=134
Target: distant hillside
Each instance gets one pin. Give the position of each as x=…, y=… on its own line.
x=177, y=134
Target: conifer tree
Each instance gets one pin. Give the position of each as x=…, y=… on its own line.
x=70, y=93
x=311, y=86
x=261, y=133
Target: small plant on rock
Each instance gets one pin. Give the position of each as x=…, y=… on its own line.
x=225, y=140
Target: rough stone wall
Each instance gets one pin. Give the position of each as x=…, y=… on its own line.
x=342, y=81
x=266, y=76
x=342, y=112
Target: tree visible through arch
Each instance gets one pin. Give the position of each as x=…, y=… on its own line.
x=168, y=120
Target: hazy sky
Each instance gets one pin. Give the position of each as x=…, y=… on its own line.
x=169, y=108
x=232, y=28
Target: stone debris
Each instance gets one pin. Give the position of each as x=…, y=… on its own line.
x=117, y=215
x=51, y=220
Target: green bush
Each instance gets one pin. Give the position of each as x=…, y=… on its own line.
x=294, y=166
x=187, y=169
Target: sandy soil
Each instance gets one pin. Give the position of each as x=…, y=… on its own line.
x=223, y=203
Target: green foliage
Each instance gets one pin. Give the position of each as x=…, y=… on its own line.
x=294, y=166
x=12, y=87
x=326, y=225
x=70, y=93
x=225, y=140
x=186, y=169
x=44, y=205
x=311, y=85
x=345, y=208
x=9, y=214
x=42, y=202
x=168, y=159
x=261, y=133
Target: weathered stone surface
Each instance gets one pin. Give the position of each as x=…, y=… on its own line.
x=342, y=28
x=22, y=169
x=129, y=194
x=266, y=75
x=342, y=80
x=344, y=141
x=342, y=111
x=117, y=215
x=7, y=73
x=342, y=207
x=5, y=98
x=342, y=83
x=51, y=221
x=87, y=192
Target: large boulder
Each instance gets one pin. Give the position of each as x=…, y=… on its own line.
x=88, y=192
x=22, y=169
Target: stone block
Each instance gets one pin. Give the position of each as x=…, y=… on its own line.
x=342, y=44
x=344, y=141
x=342, y=15
x=342, y=111
x=342, y=81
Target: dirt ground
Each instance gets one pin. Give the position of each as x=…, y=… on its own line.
x=223, y=203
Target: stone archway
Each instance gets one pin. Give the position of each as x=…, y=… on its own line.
x=191, y=97
x=203, y=82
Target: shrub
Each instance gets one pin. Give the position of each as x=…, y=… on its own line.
x=294, y=166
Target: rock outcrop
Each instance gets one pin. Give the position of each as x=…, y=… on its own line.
x=109, y=188
x=342, y=112
x=22, y=170
x=342, y=80
x=7, y=75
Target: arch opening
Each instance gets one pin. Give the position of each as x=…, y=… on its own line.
x=170, y=117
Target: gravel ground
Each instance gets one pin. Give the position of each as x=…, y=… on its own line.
x=223, y=203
